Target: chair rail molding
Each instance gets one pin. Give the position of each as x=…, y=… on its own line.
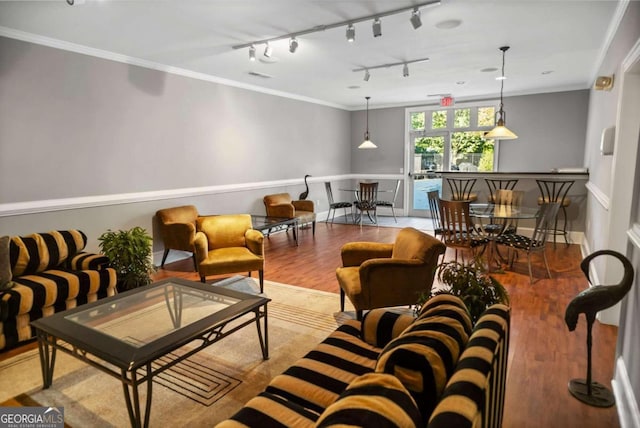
x=598, y=194
x=51, y=205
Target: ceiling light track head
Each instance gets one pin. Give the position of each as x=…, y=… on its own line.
x=377, y=27
x=351, y=33
x=416, y=22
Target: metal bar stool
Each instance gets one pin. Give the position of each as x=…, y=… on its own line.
x=461, y=189
x=556, y=191
x=495, y=185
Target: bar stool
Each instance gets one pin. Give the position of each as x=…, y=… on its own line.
x=495, y=185
x=556, y=191
x=461, y=189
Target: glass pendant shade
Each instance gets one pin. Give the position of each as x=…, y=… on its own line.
x=367, y=143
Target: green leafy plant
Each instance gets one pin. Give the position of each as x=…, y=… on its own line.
x=130, y=254
x=472, y=284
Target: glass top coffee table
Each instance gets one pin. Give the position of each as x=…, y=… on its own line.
x=268, y=224
x=124, y=334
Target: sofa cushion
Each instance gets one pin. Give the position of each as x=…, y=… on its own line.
x=424, y=356
x=317, y=380
x=372, y=400
x=380, y=326
x=41, y=251
x=5, y=265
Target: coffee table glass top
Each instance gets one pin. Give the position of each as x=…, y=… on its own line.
x=155, y=313
x=136, y=326
x=263, y=222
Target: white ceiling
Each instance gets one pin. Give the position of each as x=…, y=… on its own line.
x=566, y=37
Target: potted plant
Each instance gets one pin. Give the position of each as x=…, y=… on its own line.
x=130, y=254
x=472, y=284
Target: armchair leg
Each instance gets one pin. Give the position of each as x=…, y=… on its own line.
x=359, y=314
x=341, y=300
x=202, y=279
x=164, y=256
x=313, y=228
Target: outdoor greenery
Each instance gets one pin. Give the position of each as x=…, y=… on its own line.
x=471, y=283
x=466, y=146
x=130, y=254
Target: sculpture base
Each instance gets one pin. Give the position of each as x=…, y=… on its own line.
x=600, y=395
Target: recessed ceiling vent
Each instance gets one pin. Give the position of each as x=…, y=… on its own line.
x=258, y=74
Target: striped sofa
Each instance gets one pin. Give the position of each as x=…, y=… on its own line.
x=434, y=370
x=50, y=274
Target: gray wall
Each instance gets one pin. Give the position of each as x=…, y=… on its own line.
x=613, y=204
x=545, y=123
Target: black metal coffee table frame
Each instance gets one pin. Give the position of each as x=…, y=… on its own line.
x=136, y=364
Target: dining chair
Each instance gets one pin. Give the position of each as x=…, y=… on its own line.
x=556, y=191
x=461, y=189
x=538, y=240
x=458, y=231
x=494, y=185
x=434, y=207
x=333, y=205
x=366, y=202
x=392, y=203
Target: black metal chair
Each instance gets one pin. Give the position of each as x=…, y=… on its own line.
x=556, y=191
x=538, y=239
x=461, y=189
x=333, y=205
x=392, y=203
x=494, y=185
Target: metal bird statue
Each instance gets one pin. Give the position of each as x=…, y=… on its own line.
x=304, y=194
x=590, y=302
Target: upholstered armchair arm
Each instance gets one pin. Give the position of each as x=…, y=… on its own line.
x=201, y=247
x=178, y=235
x=281, y=210
x=356, y=253
x=303, y=205
x=255, y=241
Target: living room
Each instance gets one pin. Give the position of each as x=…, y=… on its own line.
x=94, y=143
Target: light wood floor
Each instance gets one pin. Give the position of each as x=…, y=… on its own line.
x=543, y=354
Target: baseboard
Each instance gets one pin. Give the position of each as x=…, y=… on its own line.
x=626, y=402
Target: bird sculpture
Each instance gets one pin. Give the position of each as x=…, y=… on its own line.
x=304, y=194
x=589, y=302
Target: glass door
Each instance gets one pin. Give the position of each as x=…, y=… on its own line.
x=427, y=157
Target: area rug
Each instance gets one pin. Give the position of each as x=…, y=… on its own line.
x=204, y=389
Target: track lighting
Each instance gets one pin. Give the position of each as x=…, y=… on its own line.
x=367, y=76
x=252, y=53
x=404, y=64
x=377, y=28
x=268, y=51
x=293, y=45
x=405, y=70
x=415, y=19
x=351, y=33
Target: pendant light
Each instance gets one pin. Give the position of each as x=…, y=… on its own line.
x=501, y=132
x=367, y=143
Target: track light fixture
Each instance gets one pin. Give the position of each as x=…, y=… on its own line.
x=404, y=64
x=367, y=75
x=415, y=19
x=377, y=28
x=268, y=50
x=351, y=33
x=293, y=45
x=252, y=53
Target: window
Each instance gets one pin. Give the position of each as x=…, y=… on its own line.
x=452, y=139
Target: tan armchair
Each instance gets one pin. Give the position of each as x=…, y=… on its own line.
x=228, y=244
x=376, y=275
x=281, y=205
x=177, y=227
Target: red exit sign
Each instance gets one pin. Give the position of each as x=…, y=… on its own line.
x=446, y=101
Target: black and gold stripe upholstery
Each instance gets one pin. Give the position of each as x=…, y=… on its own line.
x=380, y=326
x=373, y=400
x=474, y=396
x=51, y=274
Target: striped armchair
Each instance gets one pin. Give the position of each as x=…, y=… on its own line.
x=394, y=370
x=50, y=273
